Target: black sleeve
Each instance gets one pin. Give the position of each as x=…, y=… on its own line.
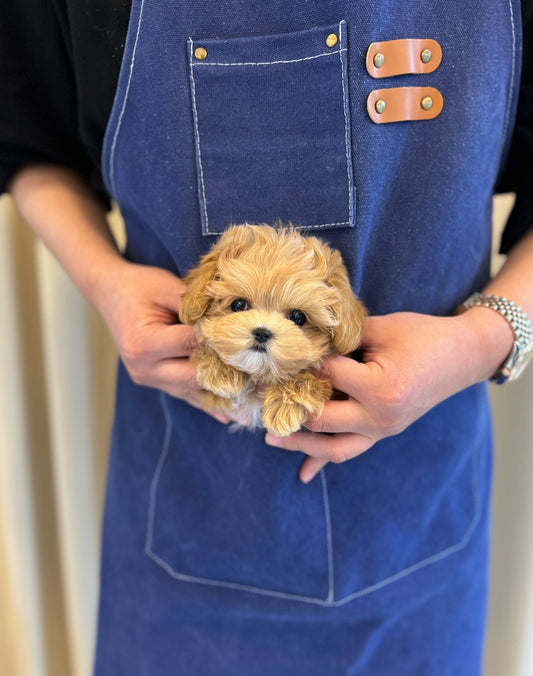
x=59, y=66
x=518, y=174
x=38, y=115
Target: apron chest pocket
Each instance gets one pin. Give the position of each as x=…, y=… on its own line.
x=272, y=131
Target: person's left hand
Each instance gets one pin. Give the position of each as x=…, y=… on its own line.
x=411, y=362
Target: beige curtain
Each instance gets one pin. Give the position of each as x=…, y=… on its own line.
x=57, y=368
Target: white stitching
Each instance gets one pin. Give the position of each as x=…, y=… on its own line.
x=234, y=585
x=298, y=227
x=123, y=109
x=167, y=567
x=197, y=139
x=157, y=473
x=436, y=557
x=511, y=84
x=329, y=538
x=346, y=127
x=316, y=226
x=328, y=602
x=265, y=63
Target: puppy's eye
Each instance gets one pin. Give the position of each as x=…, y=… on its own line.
x=239, y=305
x=297, y=316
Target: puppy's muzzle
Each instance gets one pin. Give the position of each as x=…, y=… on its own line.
x=261, y=336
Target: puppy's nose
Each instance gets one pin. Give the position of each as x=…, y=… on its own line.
x=262, y=335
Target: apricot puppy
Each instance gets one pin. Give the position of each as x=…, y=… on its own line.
x=268, y=305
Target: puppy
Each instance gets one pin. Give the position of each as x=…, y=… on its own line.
x=268, y=305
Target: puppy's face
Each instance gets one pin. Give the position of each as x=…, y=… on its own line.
x=270, y=302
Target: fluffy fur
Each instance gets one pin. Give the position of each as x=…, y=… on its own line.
x=268, y=305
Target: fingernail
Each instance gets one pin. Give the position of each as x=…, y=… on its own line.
x=307, y=478
x=221, y=417
x=271, y=440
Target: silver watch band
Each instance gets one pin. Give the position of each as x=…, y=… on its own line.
x=522, y=331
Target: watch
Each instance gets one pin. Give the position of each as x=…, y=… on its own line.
x=522, y=349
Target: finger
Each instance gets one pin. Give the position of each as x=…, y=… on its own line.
x=172, y=341
x=177, y=377
x=337, y=448
x=341, y=416
x=347, y=375
x=310, y=467
x=196, y=402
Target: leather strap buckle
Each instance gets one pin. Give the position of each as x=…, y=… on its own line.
x=404, y=103
x=400, y=57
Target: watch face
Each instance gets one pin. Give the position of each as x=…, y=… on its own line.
x=521, y=362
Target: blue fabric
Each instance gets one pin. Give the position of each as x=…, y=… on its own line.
x=305, y=134
x=216, y=559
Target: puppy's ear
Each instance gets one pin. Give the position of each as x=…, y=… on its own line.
x=349, y=311
x=196, y=299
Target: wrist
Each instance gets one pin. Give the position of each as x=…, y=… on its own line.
x=490, y=339
x=104, y=280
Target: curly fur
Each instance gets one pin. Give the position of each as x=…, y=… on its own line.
x=276, y=271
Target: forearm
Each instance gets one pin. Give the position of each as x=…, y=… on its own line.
x=67, y=216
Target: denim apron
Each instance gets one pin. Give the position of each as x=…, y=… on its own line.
x=216, y=559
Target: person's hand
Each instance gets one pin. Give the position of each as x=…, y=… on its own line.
x=141, y=309
x=411, y=363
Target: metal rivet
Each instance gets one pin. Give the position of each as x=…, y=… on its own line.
x=426, y=55
x=426, y=103
x=380, y=106
x=379, y=60
x=332, y=40
x=200, y=53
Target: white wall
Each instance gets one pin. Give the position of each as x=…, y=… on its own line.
x=510, y=632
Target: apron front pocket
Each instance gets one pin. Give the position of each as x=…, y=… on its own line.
x=235, y=515
x=272, y=132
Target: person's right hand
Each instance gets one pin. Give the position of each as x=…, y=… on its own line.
x=141, y=309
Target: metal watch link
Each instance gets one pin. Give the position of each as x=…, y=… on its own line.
x=522, y=349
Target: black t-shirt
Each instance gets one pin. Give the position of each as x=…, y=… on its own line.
x=59, y=66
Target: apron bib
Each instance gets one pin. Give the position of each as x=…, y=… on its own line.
x=231, y=112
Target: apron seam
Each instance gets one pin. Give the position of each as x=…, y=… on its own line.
x=510, y=97
x=112, y=149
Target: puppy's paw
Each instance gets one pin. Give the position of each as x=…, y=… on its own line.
x=288, y=406
x=216, y=376
x=283, y=419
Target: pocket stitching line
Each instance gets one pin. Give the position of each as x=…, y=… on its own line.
x=329, y=601
x=203, y=199
x=206, y=64
x=191, y=578
x=197, y=142
x=347, y=143
x=329, y=539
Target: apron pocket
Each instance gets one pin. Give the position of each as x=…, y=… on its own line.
x=235, y=515
x=272, y=132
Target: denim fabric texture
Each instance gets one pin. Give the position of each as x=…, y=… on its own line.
x=216, y=560
x=250, y=79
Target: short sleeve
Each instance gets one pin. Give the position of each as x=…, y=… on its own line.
x=518, y=174
x=38, y=115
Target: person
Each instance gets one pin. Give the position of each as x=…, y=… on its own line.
x=363, y=550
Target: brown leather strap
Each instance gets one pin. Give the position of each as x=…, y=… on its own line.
x=399, y=57
x=404, y=103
